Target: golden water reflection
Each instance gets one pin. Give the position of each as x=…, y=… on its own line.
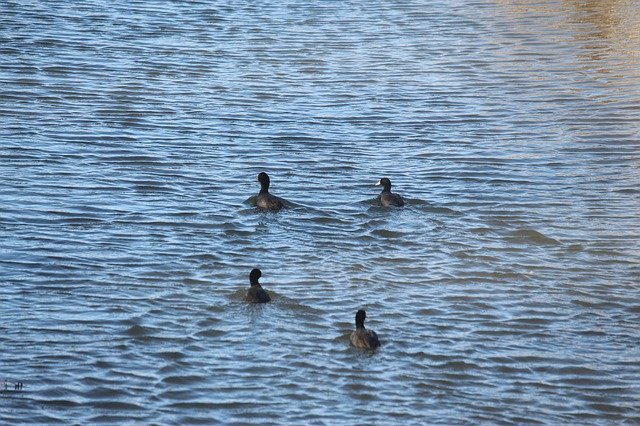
x=604, y=30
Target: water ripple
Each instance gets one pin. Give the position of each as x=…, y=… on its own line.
x=504, y=292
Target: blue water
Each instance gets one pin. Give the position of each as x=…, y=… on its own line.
x=505, y=291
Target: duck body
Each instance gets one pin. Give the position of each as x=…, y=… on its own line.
x=265, y=200
x=388, y=198
x=255, y=293
x=361, y=337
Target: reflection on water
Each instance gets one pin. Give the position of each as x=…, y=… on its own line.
x=617, y=20
x=608, y=32
x=611, y=39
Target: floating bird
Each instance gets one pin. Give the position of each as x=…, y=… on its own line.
x=361, y=337
x=264, y=200
x=255, y=293
x=388, y=199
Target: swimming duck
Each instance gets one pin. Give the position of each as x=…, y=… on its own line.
x=255, y=293
x=361, y=337
x=264, y=199
x=388, y=199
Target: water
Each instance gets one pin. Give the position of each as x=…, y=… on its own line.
x=506, y=291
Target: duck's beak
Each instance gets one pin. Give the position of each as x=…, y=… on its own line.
x=378, y=184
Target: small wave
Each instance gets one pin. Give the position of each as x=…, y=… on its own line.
x=117, y=406
x=210, y=333
x=386, y=233
x=62, y=403
x=138, y=331
x=182, y=380
x=531, y=236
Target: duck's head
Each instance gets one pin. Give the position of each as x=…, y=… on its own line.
x=254, y=276
x=386, y=183
x=264, y=180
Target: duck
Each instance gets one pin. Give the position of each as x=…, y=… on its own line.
x=361, y=337
x=264, y=200
x=255, y=293
x=387, y=198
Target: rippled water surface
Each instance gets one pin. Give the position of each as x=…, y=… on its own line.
x=506, y=291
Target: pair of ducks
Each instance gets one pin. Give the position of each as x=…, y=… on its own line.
x=360, y=337
x=268, y=201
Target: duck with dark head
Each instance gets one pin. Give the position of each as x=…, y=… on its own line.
x=265, y=200
x=255, y=293
x=387, y=198
x=361, y=337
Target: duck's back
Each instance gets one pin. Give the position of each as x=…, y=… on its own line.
x=363, y=338
x=389, y=199
x=269, y=202
x=257, y=295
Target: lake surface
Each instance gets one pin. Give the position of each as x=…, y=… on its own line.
x=506, y=291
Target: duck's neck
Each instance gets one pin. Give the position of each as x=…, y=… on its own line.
x=264, y=187
x=360, y=324
x=254, y=283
